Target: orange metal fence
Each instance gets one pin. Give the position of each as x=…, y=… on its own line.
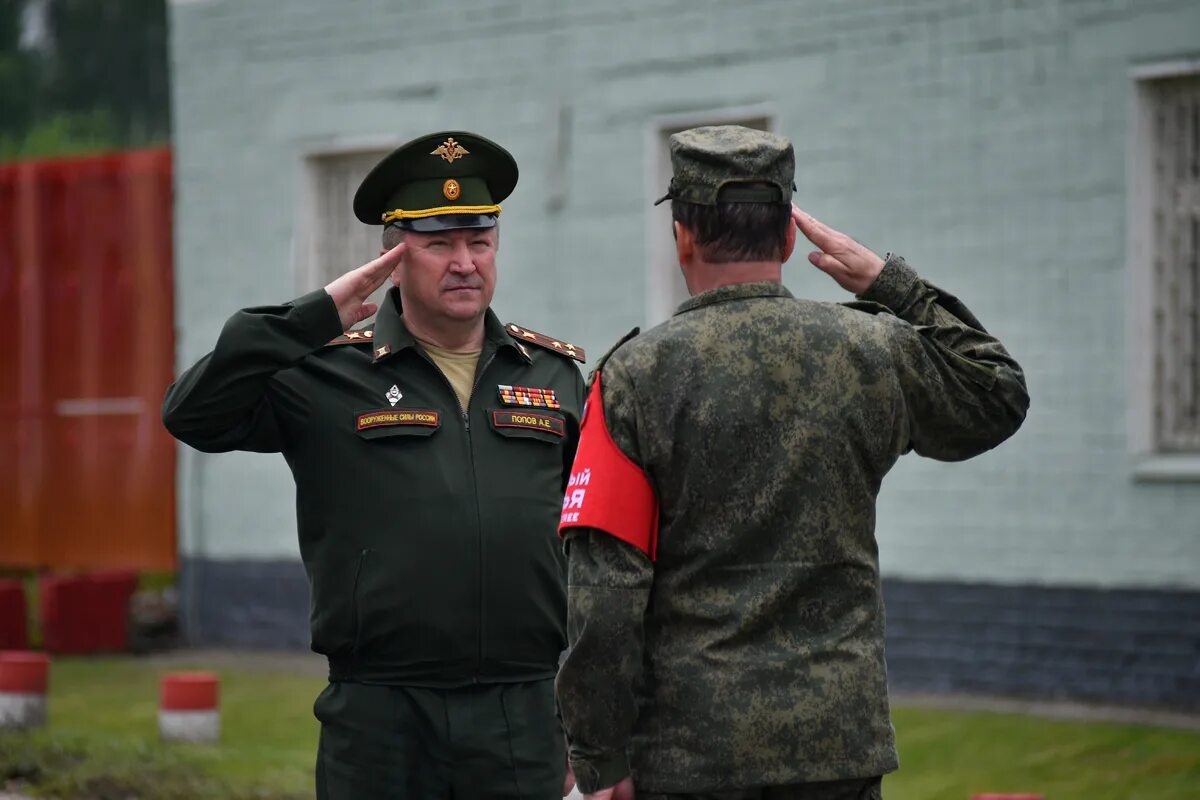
x=87, y=473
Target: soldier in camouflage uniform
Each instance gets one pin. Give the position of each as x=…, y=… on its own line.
x=724, y=601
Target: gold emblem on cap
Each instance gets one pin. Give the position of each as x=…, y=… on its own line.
x=451, y=189
x=450, y=150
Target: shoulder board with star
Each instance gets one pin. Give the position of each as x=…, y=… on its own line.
x=527, y=336
x=363, y=336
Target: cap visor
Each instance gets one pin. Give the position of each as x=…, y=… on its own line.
x=663, y=199
x=447, y=222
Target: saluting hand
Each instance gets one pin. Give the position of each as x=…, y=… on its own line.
x=853, y=266
x=350, y=292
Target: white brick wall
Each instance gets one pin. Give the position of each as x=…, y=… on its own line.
x=985, y=141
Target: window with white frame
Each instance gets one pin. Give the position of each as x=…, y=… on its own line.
x=664, y=283
x=332, y=240
x=1168, y=250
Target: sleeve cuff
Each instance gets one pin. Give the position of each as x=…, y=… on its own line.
x=594, y=774
x=317, y=313
x=893, y=284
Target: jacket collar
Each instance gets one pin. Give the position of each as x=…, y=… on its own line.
x=392, y=335
x=734, y=291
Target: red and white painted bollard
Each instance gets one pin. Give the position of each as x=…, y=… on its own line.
x=24, y=677
x=188, y=710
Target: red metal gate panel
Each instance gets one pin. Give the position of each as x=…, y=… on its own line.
x=87, y=473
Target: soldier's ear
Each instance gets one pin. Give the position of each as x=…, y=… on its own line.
x=685, y=243
x=789, y=243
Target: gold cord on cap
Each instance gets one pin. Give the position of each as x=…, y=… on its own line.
x=399, y=213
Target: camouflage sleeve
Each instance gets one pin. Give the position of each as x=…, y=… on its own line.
x=608, y=588
x=964, y=394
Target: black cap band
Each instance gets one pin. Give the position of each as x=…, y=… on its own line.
x=445, y=222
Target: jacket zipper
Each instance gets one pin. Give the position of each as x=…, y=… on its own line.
x=478, y=521
x=466, y=420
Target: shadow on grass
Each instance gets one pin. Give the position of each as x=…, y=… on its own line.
x=49, y=766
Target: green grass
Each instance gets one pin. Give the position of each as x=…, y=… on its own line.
x=954, y=755
x=102, y=743
x=108, y=709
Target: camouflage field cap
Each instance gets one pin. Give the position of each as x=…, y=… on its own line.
x=730, y=164
x=446, y=180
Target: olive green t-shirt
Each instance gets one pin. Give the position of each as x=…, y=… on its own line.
x=458, y=367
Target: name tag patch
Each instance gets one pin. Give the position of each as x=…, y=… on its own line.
x=380, y=419
x=528, y=396
x=530, y=421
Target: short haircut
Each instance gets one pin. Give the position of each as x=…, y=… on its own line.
x=392, y=236
x=730, y=232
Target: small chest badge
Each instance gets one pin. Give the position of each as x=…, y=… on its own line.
x=393, y=395
x=528, y=396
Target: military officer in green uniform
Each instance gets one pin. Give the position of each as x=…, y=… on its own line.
x=430, y=451
x=725, y=615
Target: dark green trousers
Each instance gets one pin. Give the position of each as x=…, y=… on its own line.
x=486, y=742
x=868, y=789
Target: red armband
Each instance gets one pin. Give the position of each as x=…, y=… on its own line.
x=607, y=491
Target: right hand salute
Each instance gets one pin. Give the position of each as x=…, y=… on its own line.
x=852, y=265
x=350, y=291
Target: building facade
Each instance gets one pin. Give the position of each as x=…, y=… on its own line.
x=1039, y=159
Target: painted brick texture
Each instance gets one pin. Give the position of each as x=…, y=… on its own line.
x=984, y=141
x=1127, y=646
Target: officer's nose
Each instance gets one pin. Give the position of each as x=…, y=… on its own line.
x=460, y=259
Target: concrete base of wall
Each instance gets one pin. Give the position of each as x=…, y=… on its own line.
x=244, y=603
x=1105, y=645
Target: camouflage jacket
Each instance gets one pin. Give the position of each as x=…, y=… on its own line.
x=750, y=652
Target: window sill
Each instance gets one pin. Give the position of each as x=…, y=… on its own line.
x=1180, y=468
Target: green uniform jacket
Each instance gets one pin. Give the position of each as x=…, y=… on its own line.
x=428, y=535
x=750, y=653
